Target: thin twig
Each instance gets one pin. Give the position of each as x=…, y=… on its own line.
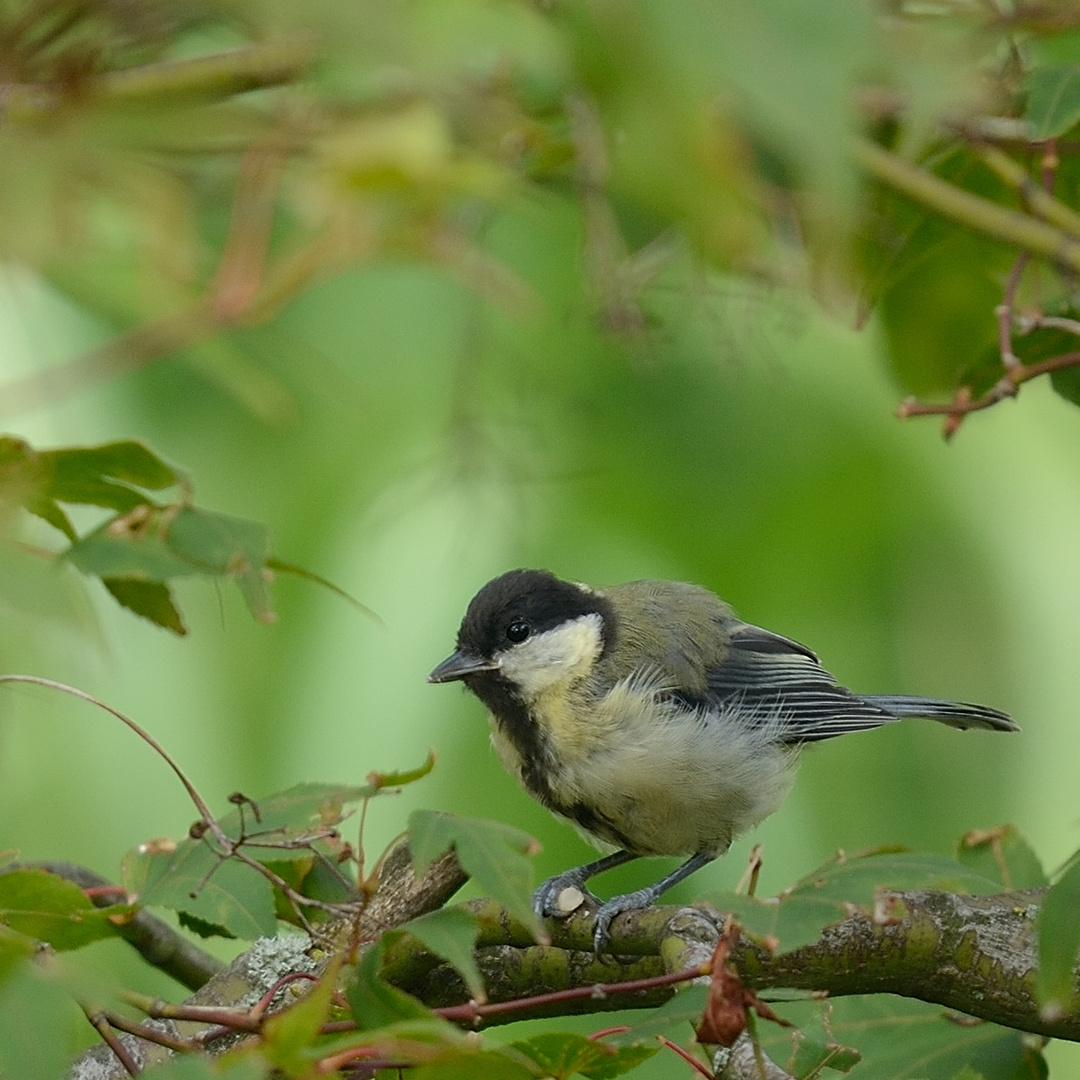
x=150, y=1034
x=1034, y=196
x=103, y=1028
x=472, y=1012
x=1006, y=387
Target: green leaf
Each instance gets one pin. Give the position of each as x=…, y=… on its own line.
x=271, y=823
x=670, y=1019
x=1066, y=383
x=32, y=1009
x=562, y=1055
x=150, y=599
x=132, y=546
x=375, y=1003
x=400, y=779
x=493, y=854
x=825, y=896
x=451, y=933
x=157, y=544
x=108, y=475
x=902, y=1039
x=470, y=1063
x=129, y=461
x=236, y=1065
x=24, y=478
x=195, y=880
x=14, y=947
x=1053, y=103
x=1003, y=855
x=52, y=909
x=220, y=544
x=49, y=511
x=201, y=927
x=289, y=1034
x=816, y=1049
x=319, y=877
x=1059, y=943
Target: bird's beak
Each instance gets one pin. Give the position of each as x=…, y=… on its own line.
x=460, y=664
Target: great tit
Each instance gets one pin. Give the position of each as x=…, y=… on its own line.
x=652, y=718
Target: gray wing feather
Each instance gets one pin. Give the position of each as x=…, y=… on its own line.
x=768, y=678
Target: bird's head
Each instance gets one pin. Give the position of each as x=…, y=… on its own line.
x=527, y=631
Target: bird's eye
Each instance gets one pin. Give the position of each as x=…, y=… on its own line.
x=518, y=630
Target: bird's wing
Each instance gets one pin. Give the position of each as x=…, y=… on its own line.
x=769, y=679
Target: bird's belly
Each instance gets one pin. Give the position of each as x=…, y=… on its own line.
x=668, y=804
x=656, y=779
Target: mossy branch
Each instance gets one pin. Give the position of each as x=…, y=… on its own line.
x=974, y=954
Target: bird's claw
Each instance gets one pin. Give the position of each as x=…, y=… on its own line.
x=611, y=909
x=560, y=896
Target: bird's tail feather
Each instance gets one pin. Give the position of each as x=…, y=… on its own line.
x=957, y=714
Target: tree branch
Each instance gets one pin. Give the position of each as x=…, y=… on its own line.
x=214, y=76
x=983, y=215
x=400, y=896
x=974, y=954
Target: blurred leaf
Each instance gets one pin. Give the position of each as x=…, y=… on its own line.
x=1002, y=854
x=399, y=779
x=24, y=481
x=562, y=1055
x=289, y=1034
x=52, y=909
x=940, y=319
x=826, y=895
x=14, y=947
x=89, y=474
x=1053, y=102
x=150, y=599
x=236, y=1065
x=473, y=1063
x=146, y=545
x=31, y=1010
x=451, y=933
x=159, y=543
x=108, y=475
x=494, y=855
x=223, y=545
x=1066, y=383
x=132, y=546
x=1059, y=943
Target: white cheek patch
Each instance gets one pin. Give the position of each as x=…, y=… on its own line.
x=568, y=652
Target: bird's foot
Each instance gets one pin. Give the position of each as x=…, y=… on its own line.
x=617, y=905
x=560, y=896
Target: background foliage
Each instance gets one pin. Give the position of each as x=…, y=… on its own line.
x=439, y=289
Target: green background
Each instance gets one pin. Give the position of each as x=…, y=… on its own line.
x=408, y=440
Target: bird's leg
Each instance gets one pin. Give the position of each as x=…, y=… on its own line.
x=641, y=898
x=546, y=898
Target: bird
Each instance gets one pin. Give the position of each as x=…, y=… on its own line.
x=653, y=718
